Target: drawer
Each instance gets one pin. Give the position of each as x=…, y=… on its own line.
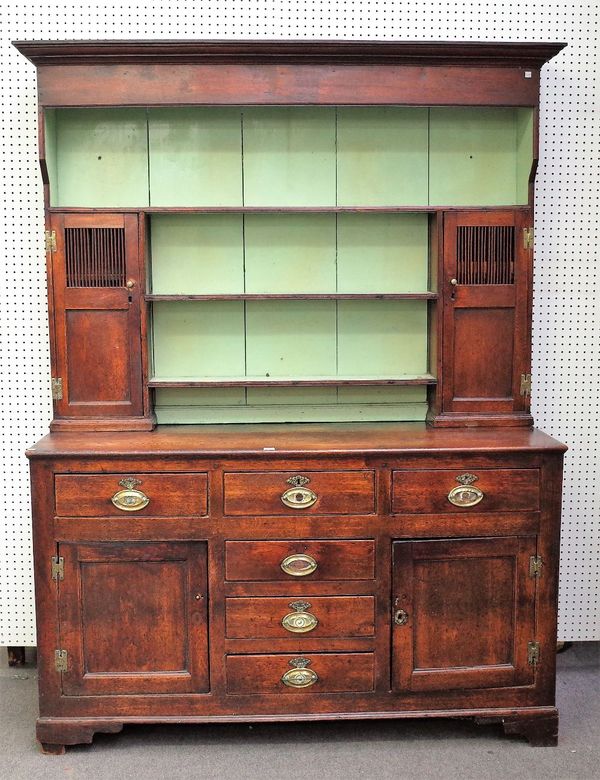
x=299, y=492
x=493, y=490
x=312, y=673
x=311, y=559
x=168, y=495
x=293, y=616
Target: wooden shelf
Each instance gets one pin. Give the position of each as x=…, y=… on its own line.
x=417, y=296
x=314, y=381
x=281, y=209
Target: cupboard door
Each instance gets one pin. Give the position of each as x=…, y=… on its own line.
x=464, y=612
x=97, y=317
x=487, y=294
x=133, y=618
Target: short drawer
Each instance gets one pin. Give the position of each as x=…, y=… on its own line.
x=317, y=616
x=109, y=495
x=299, y=492
x=312, y=673
x=311, y=559
x=478, y=490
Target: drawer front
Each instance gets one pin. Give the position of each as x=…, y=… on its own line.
x=122, y=495
x=303, y=675
x=493, y=490
x=308, y=560
x=292, y=617
x=300, y=492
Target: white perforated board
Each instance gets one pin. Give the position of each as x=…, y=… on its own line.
x=567, y=305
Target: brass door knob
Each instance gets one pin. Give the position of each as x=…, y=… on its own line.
x=299, y=565
x=400, y=617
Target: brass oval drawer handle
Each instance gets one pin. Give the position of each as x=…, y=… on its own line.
x=300, y=621
x=130, y=500
x=299, y=565
x=299, y=497
x=300, y=676
x=463, y=495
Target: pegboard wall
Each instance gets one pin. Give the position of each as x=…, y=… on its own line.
x=567, y=301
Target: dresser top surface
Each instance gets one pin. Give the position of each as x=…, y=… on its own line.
x=292, y=439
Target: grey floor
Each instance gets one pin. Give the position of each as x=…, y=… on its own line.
x=352, y=749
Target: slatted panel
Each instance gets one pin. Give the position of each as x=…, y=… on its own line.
x=485, y=254
x=95, y=257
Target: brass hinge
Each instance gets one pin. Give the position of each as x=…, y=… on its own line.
x=50, y=240
x=57, y=389
x=60, y=660
x=533, y=653
x=528, y=238
x=526, y=384
x=58, y=567
x=535, y=566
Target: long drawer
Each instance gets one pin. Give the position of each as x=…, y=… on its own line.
x=310, y=559
x=146, y=495
x=301, y=492
x=319, y=616
x=452, y=490
x=302, y=675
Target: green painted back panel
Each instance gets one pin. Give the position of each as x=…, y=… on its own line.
x=290, y=253
x=290, y=338
x=197, y=254
x=524, y=152
x=382, y=253
x=193, y=339
x=101, y=157
x=195, y=156
x=382, y=156
x=289, y=404
x=289, y=156
x=382, y=338
x=473, y=156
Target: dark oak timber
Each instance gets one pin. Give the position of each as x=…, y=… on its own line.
x=293, y=572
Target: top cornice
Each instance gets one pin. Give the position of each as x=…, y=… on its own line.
x=444, y=53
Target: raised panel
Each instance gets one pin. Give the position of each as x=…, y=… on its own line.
x=132, y=618
x=483, y=353
x=98, y=367
x=468, y=613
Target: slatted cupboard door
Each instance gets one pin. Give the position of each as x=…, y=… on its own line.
x=96, y=295
x=486, y=335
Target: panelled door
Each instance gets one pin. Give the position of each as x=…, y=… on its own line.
x=464, y=613
x=133, y=617
x=486, y=336
x=96, y=294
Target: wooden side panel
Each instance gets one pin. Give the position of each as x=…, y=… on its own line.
x=97, y=317
x=470, y=607
x=133, y=618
